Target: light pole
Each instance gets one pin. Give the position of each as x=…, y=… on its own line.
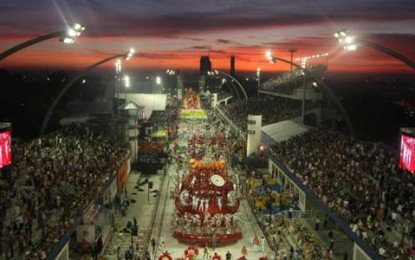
x=273, y=59
x=170, y=82
x=350, y=43
x=304, y=61
x=118, y=69
x=258, y=75
x=127, y=84
x=159, y=82
x=67, y=37
x=292, y=51
x=232, y=80
x=45, y=122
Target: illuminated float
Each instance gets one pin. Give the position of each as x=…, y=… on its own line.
x=204, y=192
x=191, y=100
x=207, y=203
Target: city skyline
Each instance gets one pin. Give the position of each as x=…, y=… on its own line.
x=175, y=35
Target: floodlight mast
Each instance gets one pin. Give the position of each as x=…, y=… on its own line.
x=67, y=37
x=350, y=43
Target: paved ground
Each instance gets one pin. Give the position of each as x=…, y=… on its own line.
x=141, y=209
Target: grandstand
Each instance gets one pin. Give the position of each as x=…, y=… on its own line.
x=290, y=84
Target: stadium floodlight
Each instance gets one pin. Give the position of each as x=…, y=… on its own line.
x=258, y=72
x=350, y=43
x=271, y=58
x=170, y=72
x=127, y=81
x=158, y=80
x=72, y=33
x=67, y=37
x=130, y=54
x=118, y=66
x=305, y=59
x=346, y=40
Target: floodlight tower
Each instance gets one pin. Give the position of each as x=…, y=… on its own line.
x=118, y=70
x=67, y=37
x=350, y=43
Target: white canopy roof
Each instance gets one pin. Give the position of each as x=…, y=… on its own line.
x=282, y=131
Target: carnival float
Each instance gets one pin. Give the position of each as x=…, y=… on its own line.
x=206, y=196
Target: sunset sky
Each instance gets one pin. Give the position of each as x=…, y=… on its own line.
x=173, y=34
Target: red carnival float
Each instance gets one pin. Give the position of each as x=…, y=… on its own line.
x=207, y=205
x=205, y=195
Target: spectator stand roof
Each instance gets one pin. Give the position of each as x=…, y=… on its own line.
x=150, y=102
x=281, y=131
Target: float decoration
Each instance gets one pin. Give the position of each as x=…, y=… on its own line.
x=207, y=204
x=191, y=252
x=165, y=256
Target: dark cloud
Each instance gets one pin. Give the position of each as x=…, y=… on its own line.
x=204, y=47
x=196, y=23
x=223, y=41
x=243, y=18
x=183, y=18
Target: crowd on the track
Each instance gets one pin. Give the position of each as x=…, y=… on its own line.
x=51, y=182
x=359, y=181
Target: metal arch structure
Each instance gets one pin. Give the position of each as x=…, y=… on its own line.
x=67, y=37
x=349, y=123
x=387, y=51
x=237, y=83
x=350, y=43
x=23, y=45
x=234, y=80
x=232, y=87
x=45, y=121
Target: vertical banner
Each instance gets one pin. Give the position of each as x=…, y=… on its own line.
x=122, y=176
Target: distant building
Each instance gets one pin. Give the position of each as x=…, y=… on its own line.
x=232, y=71
x=205, y=65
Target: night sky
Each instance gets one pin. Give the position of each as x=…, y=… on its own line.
x=175, y=33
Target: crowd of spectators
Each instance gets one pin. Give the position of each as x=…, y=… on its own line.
x=273, y=109
x=289, y=81
x=164, y=119
x=167, y=118
x=51, y=182
x=360, y=181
